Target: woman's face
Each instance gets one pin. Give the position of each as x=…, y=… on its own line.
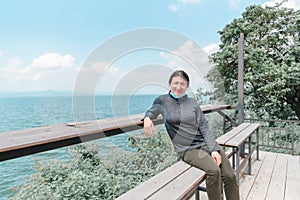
x=178, y=85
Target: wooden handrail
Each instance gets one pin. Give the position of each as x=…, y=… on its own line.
x=14, y=144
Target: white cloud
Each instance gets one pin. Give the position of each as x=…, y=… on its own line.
x=1, y=53
x=234, y=3
x=14, y=62
x=100, y=75
x=25, y=70
x=97, y=67
x=210, y=49
x=147, y=76
x=189, y=1
x=295, y=4
x=173, y=7
x=109, y=79
x=192, y=54
x=53, y=61
x=19, y=76
x=194, y=60
x=37, y=76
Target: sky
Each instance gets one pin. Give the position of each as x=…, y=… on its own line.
x=110, y=46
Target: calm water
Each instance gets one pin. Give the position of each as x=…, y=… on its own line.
x=27, y=112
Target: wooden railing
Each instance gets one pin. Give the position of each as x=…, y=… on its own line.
x=14, y=144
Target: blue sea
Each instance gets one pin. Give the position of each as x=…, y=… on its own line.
x=17, y=113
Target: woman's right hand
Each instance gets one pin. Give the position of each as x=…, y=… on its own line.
x=148, y=126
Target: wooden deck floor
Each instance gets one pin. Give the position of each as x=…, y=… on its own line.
x=275, y=176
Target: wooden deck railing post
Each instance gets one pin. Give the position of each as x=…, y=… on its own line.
x=241, y=79
x=241, y=113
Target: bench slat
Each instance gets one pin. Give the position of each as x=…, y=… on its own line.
x=185, y=184
x=230, y=134
x=243, y=135
x=155, y=183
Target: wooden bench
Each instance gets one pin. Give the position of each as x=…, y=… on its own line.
x=182, y=181
x=236, y=138
x=179, y=181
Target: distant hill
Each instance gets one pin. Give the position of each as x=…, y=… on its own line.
x=46, y=93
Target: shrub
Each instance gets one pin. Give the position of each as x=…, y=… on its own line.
x=89, y=175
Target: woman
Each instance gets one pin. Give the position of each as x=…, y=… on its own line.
x=191, y=138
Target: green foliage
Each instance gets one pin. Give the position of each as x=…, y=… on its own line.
x=153, y=155
x=271, y=60
x=214, y=120
x=89, y=175
x=203, y=97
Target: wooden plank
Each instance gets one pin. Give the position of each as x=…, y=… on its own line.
x=65, y=131
x=222, y=140
x=29, y=137
x=238, y=139
x=154, y=184
x=292, y=191
x=25, y=142
x=212, y=108
x=263, y=178
x=185, y=182
x=278, y=178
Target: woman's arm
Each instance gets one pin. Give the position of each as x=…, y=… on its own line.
x=206, y=133
x=152, y=113
x=209, y=139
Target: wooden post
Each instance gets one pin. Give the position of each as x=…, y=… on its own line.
x=241, y=114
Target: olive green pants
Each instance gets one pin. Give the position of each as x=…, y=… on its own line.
x=201, y=159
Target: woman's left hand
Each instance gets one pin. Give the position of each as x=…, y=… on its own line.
x=216, y=157
x=148, y=126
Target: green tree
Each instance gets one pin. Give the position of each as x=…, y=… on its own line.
x=271, y=60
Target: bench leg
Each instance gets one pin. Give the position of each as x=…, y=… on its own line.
x=233, y=158
x=203, y=189
x=249, y=159
x=197, y=195
x=242, y=150
x=257, y=145
x=237, y=164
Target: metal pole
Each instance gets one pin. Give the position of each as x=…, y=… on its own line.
x=241, y=114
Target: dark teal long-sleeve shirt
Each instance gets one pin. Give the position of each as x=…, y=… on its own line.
x=184, y=121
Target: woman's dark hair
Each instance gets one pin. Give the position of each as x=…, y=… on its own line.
x=182, y=74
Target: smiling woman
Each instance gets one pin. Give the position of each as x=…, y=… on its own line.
x=179, y=82
x=192, y=140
